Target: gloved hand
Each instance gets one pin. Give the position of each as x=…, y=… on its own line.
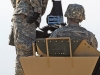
x=46, y=28
x=33, y=18
x=52, y=0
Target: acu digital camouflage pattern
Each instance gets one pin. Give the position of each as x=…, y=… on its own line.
x=26, y=7
x=25, y=33
x=23, y=46
x=75, y=31
x=75, y=11
x=24, y=36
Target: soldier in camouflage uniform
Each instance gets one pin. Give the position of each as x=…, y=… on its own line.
x=26, y=17
x=75, y=14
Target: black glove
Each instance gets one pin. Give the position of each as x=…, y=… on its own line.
x=46, y=28
x=52, y=0
x=63, y=24
x=33, y=18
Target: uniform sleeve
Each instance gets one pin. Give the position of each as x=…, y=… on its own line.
x=94, y=41
x=13, y=2
x=37, y=5
x=45, y=2
x=54, y=34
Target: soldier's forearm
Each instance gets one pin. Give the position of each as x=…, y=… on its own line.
x=13, y=2
x=45, y=2
x=37, y=5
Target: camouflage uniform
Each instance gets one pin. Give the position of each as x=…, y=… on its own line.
x=75, y=31
x=76, y=13
x=25, y=33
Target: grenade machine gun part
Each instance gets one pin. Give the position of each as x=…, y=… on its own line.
x=55, y=18
x=56, y=15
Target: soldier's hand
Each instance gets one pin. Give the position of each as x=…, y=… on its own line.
x=52, y=29
x=46, y=28
x=32, y=19
x=52, y=0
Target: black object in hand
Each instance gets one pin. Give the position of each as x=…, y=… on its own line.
x=46, y=28
x=33, y=18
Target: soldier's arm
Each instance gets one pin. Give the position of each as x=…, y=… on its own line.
x=94, y=41
x=13, y=2
x=37, y=5
x=45, y=2
x=54, y=34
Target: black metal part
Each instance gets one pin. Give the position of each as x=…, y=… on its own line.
x=96, y=70
x=57, y=9
x=56, y=14
x=40, y=34
x=57, y=47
